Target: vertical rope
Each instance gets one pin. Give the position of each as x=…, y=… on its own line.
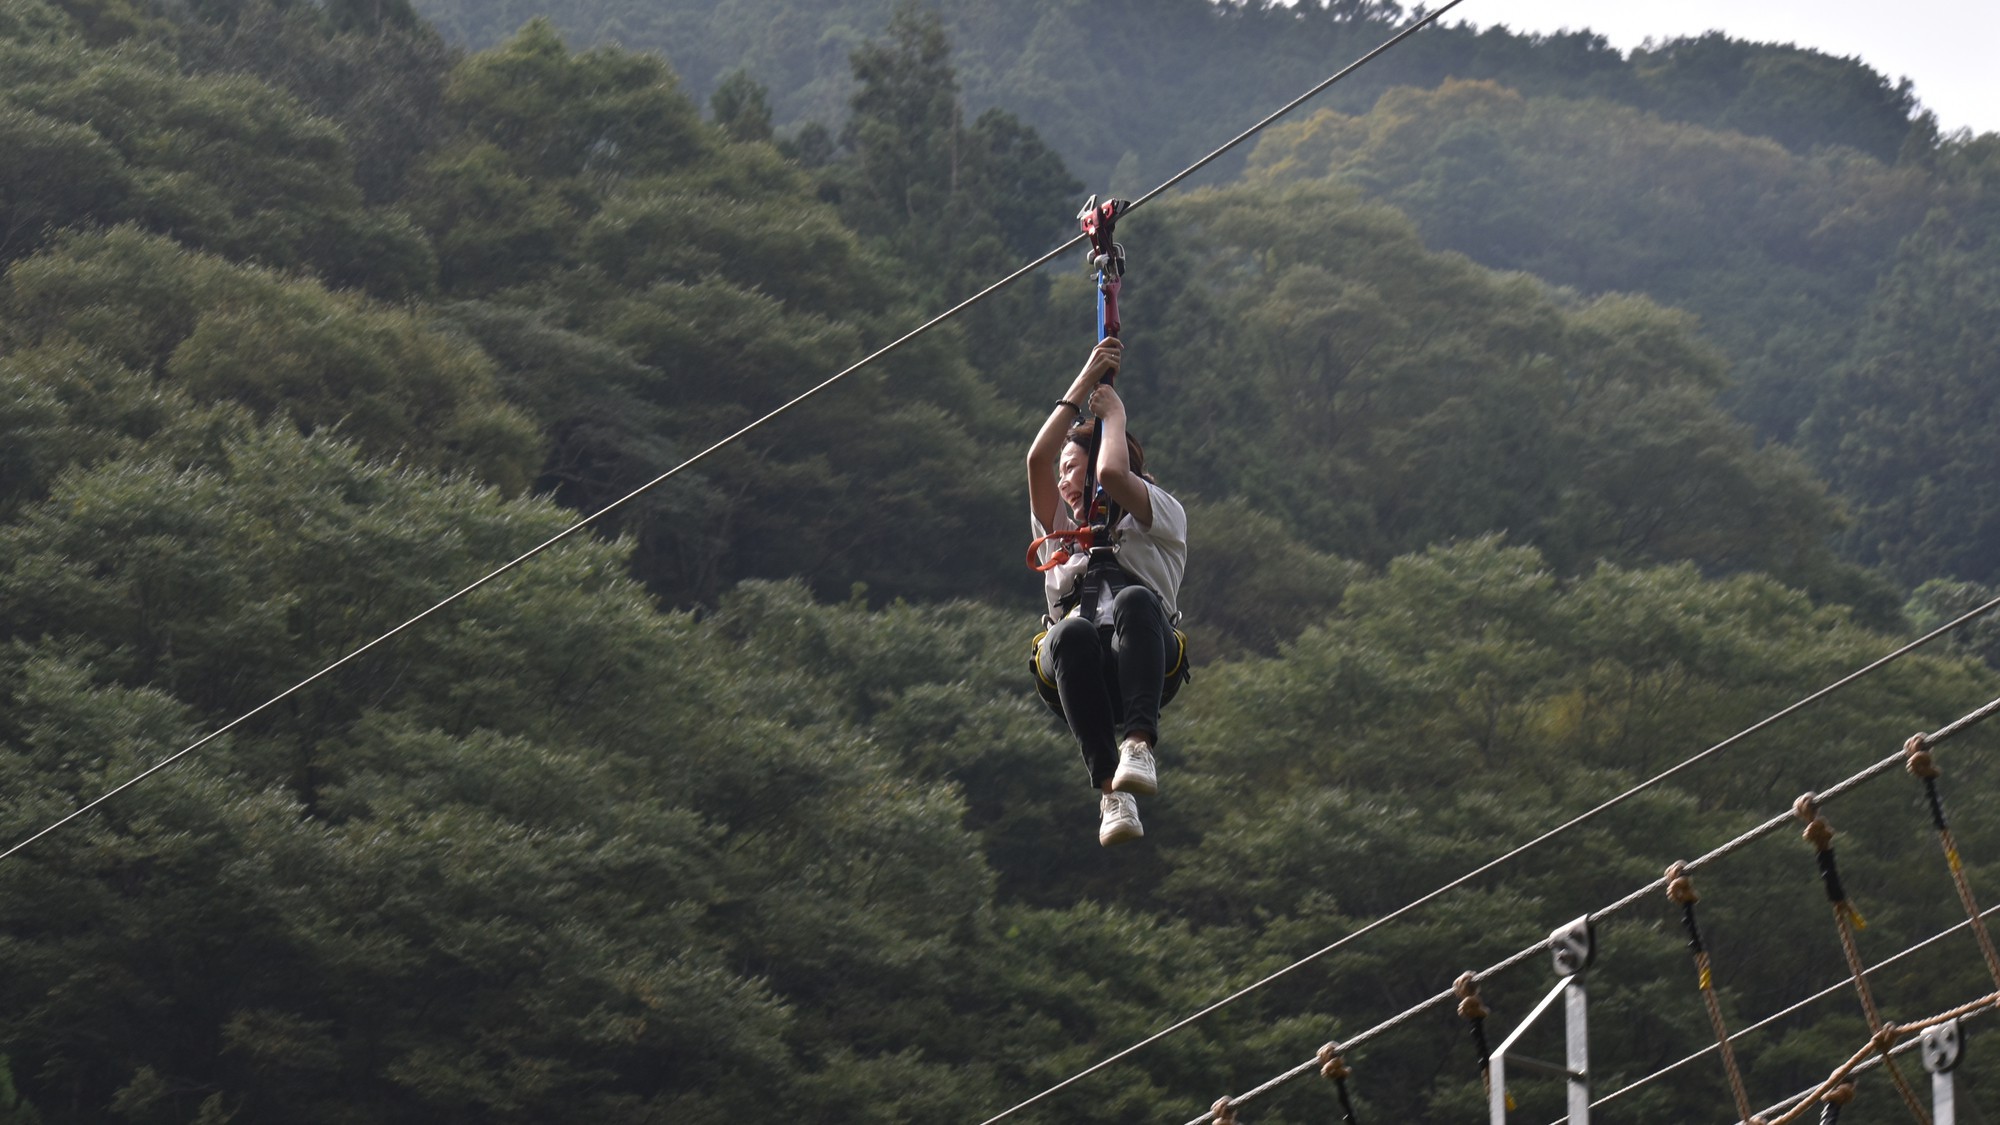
x=1918, y=761
x=1473, y=1011
x=1846, y=919
x=1331, y=1065
x=1835, y=1100
x=1680, y=890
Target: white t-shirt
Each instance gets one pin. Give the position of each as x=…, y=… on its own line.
x=1156, y=555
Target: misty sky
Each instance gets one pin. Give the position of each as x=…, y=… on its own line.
x=1949, y=48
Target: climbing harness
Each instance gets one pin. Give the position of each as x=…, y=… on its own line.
x=1102, y=577
x=1178, y=673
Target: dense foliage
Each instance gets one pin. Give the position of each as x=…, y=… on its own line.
x=736, y=808
x=1776, y=251
x=1907, y=427
x=1850, y=295
x=1143, y=87
x=1314, y=359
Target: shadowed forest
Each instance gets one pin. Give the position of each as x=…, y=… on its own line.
x=1544, y=415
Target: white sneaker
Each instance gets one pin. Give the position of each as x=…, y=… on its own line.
x=1136, y=772
x=1121, y=819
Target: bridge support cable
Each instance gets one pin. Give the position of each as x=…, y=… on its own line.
x=1766, y=828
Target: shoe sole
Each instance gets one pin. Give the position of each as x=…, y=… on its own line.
x=1122, y=835
x=1137, y=784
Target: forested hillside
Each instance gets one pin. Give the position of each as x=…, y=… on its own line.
x=738, y=808
x=1852, y=295
x=1145, y=86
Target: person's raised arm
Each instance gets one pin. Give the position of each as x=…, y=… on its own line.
x=1114, y=458
x=1046, y=450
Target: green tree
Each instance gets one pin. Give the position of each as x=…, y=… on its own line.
x=953, y=199
x=223, y=163
x=1802, y=98
x=1383, y=398
x=564, y=857
x=1163, y=81
x=742, y=108
x=371, y=66
x=32, y=21
x=905, y=132
x=1905, y=427
x=67, y=406
x=542, y=133
x=1776, y=251
x=226, y=333
x=709, y=285
x=956, y=206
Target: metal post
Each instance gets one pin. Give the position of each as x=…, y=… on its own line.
x=1576, y=1035
x=1943, y=1049
x=1574, y=947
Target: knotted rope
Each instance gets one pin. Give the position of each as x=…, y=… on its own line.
x=1473, y=1011
x=1680, y=891
x=1332, y=1065
x=1918, y=760
x=1835, y=1100
x=1846, y=919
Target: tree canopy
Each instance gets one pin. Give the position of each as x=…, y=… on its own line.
x=1149, y=85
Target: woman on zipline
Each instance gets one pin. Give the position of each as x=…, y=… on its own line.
x=1111, y=648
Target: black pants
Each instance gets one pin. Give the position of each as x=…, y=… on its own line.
x=1110, y=679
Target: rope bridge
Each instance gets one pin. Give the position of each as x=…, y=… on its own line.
x=1573, y=950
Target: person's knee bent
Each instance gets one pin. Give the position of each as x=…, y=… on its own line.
x=1072, y=635
x=1137, y=599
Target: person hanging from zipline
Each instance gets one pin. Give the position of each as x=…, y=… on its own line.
x=1111, y=656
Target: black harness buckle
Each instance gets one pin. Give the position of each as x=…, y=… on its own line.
x=1101, y=576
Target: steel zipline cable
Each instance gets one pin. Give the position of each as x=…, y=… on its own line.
x=613, y=506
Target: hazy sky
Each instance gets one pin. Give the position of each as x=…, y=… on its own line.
x=1949, y=48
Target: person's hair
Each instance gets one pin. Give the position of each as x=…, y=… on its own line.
x=1135, y=453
